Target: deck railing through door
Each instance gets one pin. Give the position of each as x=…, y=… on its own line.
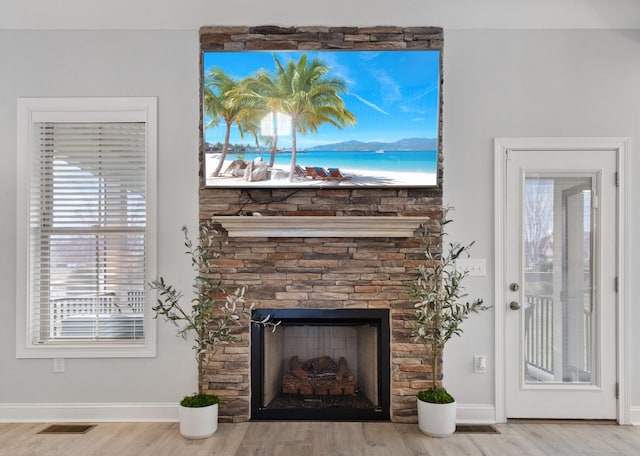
x=538, y=333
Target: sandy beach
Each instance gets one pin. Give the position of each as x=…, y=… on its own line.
x=359, y=178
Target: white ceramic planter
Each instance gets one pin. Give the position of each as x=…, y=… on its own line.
x=198, y=422
x=437, y=420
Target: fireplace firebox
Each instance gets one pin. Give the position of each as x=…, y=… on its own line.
x=321, y=364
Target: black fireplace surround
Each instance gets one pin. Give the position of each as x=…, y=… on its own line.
x=371, y=399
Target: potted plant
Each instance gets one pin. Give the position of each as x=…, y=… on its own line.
x=210, y=319
x=440, y=310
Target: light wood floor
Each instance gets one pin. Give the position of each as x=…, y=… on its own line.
x=321, y=439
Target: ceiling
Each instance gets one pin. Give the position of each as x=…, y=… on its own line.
x=191, y=14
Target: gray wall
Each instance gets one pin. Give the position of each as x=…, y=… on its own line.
x=164, y=65
x=497, y=83
x=528, y=83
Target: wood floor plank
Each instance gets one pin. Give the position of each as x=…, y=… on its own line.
x=321, y=439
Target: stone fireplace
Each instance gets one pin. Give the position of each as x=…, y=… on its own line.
x=313, y=264
x=323, y=249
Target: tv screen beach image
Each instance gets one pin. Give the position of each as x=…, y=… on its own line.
x=321, y=118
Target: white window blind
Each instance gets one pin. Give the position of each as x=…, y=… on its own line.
x=88, y=221
x=88, y=233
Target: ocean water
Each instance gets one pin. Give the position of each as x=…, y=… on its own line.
x=393, y=160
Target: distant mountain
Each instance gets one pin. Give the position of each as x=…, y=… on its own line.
x=402, y=144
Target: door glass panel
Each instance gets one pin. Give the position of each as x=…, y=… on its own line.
x=558, y=232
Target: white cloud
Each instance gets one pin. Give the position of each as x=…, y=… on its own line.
x=424, y=93
x=370, y=104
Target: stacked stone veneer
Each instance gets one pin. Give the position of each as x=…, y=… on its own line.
x=295, y=272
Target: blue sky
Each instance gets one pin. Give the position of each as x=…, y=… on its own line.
x=393, y=94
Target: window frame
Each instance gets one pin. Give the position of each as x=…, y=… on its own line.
x=31, y=111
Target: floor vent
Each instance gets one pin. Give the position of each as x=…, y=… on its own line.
x=476, y=429
x=67, y=429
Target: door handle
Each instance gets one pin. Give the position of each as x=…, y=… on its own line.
x=514, y=305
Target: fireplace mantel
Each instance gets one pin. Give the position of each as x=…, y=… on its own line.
x=320, y=226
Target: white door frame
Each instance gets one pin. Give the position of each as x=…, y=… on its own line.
x=622, y=147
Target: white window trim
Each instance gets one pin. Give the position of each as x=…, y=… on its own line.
x=30, y=111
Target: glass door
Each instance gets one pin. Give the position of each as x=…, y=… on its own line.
x=560, y=324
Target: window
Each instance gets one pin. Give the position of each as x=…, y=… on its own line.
x=86, y=206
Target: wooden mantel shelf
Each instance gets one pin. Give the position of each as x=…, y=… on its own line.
x=320, y=226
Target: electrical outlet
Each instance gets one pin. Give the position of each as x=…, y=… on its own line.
x=58, y=365
x=480, y=364
x=475, y=267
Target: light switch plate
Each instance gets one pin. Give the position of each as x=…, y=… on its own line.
x=477, y=267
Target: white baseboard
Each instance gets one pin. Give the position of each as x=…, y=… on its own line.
x=88, y=412
x=475, y=414
x=166, y=412
x=635, y=416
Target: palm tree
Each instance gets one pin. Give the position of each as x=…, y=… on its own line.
x=220, y=103
x=262, y=94
x=310, y=98
x=303, y=92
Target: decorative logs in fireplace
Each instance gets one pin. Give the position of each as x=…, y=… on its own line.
x=319, y=376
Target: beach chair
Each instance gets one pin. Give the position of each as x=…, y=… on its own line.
x=320, y=173
x=310, y=172
x=335, y=173
x=300, y=171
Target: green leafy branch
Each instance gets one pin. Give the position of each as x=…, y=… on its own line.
x=439, y=295
x=211, y=323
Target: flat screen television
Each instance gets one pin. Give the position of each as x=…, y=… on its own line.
x=328, y=118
